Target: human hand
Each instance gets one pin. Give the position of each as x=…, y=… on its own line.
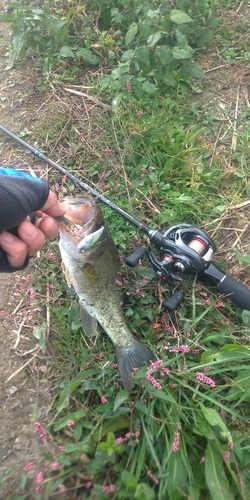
x=31, y=237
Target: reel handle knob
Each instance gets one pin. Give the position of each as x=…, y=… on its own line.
x=173, y=303
x=135, y=257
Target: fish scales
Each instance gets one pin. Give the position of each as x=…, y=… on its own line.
x=92, y=267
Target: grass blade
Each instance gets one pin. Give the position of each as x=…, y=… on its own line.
x=215, y=475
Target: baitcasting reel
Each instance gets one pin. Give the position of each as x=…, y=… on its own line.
x=184, y=249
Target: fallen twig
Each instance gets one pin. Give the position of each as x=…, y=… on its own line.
x=23, y=366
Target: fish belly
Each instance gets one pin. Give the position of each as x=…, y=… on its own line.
x=99, y=294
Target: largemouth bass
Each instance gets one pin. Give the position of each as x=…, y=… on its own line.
x=92, y=267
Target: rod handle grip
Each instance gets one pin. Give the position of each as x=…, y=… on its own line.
x=235, y=291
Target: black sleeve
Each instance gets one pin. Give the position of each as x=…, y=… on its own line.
x=20, y=195
x=6, y=267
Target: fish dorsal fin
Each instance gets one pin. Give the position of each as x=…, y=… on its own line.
x=89, y=324
x=90, y=273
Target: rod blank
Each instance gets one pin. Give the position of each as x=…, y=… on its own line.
x=81, y=184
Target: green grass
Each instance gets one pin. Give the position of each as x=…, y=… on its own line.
x=189, y=439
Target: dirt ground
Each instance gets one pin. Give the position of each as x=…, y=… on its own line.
x=25, y=393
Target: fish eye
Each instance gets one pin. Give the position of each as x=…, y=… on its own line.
x=99, y=224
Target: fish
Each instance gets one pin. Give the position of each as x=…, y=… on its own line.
x=92, y=267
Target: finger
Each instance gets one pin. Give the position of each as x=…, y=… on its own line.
x=31, y=236
x=48, y=226
x=52, y=206
x=15, y=249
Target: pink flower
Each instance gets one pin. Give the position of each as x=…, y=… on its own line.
x=61, y=448
x=129, y=86
x=56, y=465
x=39, y=477
x=83, y=457
x=165, y=370
x=226, y=456
x=155, y=365
x=138, y=432
x=42, y=433
x=32, y=294
x=5, y=314
x=230, y=445
x=129, y=435
x=119, y=440
x=118, y=282
x=109, y=489
x=104, y=399
x=62, y=488
x=37, y=490
x=176, y=442
x=153, y=381
x=101, y=355
x=206, y=302
x=52, y=256
x=97, y=130
x=139, y=113
x=219, y=304
x=88, y=485
x=203, y=378
x=182, y=348
x=151, y=476
x=108, y=150
x=207, y=368
x=70, y=423
x=29, y=466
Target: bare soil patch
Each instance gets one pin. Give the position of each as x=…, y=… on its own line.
x=25, y=393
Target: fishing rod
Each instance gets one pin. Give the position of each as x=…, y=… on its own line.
x=80, y=183
x=183, y=249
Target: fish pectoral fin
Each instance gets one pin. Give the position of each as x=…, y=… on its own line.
x=67, y=275
x=90, y=273
x=89, y=323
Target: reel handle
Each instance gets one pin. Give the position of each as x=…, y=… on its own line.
x=133, y=259
x=174, y=301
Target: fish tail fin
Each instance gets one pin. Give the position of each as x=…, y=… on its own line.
x=132, y=357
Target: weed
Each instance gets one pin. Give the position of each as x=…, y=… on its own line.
x=169, y=436
x=151, y=45
x=154, y=43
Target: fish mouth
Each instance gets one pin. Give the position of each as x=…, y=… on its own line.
x=81, y=213
x=82, y=221
x=80, y=210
